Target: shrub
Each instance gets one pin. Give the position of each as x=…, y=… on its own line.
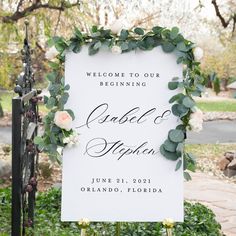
x=199, y=220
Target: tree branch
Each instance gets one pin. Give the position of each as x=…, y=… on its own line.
x=17, y=15
x=218, y=13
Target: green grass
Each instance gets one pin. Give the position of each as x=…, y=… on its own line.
x=5, y=100
x=211, y=151
x=217, y=106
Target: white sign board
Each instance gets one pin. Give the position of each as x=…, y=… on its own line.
x=116, y=172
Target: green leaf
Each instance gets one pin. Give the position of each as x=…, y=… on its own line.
x=78, y=33
x=96, y=34
x=179, y=110
x=168, y=155
x=168, y=47
x=175, y=78
x=45, y=99
x=94, y=29
x=142, y=45
x=67, y=87
x=51, y=103
x=187, y=176
x=64, y=98
x=176, y=135
x=38, y=140
x=53, y=65
x=180, y=60
x=170, y=146
x=174, y=32
x=179, y=38
x=139, y=31
x=51, y=76
x=76, y=48
x=91, y=49
x=188, y=102
x=182, y=47
x=124, y=46
x=173, y=85
x=181, y=127
x=178, y=97
x=97, y=45
x=200, y=87
x=175, y=110
x=157, y=29
x=124, y=34
x=132, y=44
x=150, y=42
x=178, y=165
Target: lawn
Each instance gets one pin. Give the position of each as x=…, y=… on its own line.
x=217, y=106
x=5, y=100
x=211, y=151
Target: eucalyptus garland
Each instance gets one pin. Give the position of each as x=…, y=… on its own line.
x=55, y=138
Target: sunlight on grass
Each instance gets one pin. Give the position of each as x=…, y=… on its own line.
x=218, y=106
x=5, y=99
x=214, y=151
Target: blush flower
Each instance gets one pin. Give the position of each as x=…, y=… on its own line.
x=71, y=140
x=116, y=50
x=51, y=53
x=63, y=120
x=116, y=26
x=196, y=120
x=198, y=53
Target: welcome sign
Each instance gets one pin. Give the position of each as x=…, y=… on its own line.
x=123, y=115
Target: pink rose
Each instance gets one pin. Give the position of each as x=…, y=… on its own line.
x=63, y=120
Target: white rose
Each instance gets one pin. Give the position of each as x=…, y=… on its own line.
x=74, y=138
x=71, y=140
x=116, y=50
x=59, y=150
x=66, y=140
x=58, y=97
x=51, y=53
x=198, y=53
x=196, y=120
x=63, y=120
x=116, y=26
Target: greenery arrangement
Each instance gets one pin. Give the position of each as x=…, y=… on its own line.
x=199, y=220
x=56, y=137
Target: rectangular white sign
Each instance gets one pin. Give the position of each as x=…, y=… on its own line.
x=116, y=172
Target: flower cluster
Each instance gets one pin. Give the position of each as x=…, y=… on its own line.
x=196, y=120
x=51, y=54
x=83, y=223
x=71, y=140
x=168, y=223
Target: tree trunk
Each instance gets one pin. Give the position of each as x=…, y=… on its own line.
x=1, y=111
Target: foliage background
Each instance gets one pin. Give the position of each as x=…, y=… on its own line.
x=209, y=23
